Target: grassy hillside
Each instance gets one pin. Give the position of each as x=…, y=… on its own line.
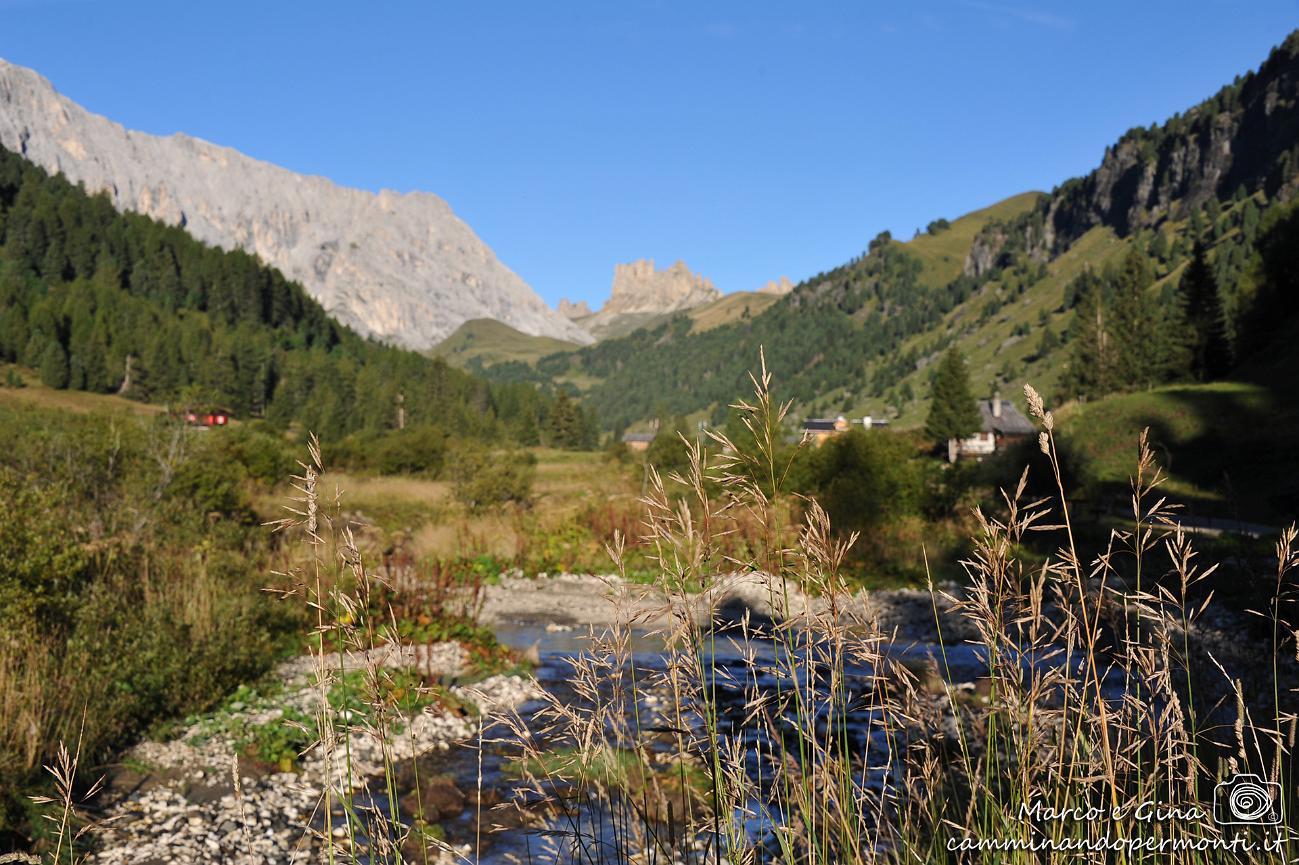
x=490, y=341
x=857, y=339
x=1001, y=349
x=1218, y=443
x=729, y=309
x=942, y=253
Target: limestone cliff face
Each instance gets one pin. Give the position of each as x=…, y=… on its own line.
x=1245, y=137
x=400, y=267
x=642, y=293
x=639, y=287
x=573, y=311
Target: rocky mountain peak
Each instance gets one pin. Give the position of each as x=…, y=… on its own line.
x=640, y=287
x=397, y=266
x=572, y=311
x=777, y=286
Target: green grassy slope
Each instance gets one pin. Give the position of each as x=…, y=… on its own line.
x=731, y=308
x=1003, y=346
x=1223, y=446
x=34, y=393
x=943, y=254
x=492, y=341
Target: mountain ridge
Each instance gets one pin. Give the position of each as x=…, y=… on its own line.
x=995, y=283
x=400, y=267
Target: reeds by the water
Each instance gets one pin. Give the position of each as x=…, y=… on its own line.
x=1106, y=718
x=1101, y=728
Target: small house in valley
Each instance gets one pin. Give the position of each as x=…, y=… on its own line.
x=206, y=418
x=1001, y=425
x=637, y=441
x=819, y=430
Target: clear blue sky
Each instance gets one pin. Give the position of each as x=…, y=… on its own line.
x=749, y=139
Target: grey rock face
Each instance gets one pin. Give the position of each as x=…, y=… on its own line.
x=400, y=267
x=573, y=311
x=640, y=287
x=640, y=292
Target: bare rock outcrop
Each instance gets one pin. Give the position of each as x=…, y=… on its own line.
x=399, y=267
x=780, y=286
x=640, y=287
x=642, y=293
x=573, y=311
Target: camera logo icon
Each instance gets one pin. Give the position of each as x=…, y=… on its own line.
x=1247, y=799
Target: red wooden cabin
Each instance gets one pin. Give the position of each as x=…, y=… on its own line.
x=207, y=418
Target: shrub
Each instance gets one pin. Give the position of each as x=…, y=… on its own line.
x=42, y=566
x=484, y=479
x=208, y=485
x=264, y=455
x=122, y=603
x=414, y=450
x=418, y=450
x=863, y=479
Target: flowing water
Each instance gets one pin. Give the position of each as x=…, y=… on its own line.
x=741, y=668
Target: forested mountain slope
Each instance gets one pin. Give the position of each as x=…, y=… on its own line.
x=400, y=267
x=107, y=302
x=1000, y=284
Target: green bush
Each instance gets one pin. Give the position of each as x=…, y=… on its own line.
x=415, y=450
x=42, y=566
x=265, y=456
x=207, y=485
x=118, y=585
x=668, y=452
x=483, y=479
x=418, y=450
x=864, y=479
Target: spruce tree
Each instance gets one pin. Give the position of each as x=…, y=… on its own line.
x=54, y=365
x=565, y=425
x=953, y=413
x=1091, y=355
x=1145, y=351
x=1206, y=323
x=1047, y=343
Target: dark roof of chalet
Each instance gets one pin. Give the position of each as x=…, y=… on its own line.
x=1012, y=420
x=817, y=424
x=638, y=437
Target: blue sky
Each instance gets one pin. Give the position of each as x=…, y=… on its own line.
x=751, y=140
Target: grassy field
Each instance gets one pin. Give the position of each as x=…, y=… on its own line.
x=423, y=518
x=1224, y=446
x=36, y=394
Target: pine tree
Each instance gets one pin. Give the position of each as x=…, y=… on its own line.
x=1205, y=321
x=953, y=413
x=54, y=365
x=565, y=425
x=1091, y=356
x=1141, y=350
x=1250, y=217
x=1047, y=343
x=1159, y=245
